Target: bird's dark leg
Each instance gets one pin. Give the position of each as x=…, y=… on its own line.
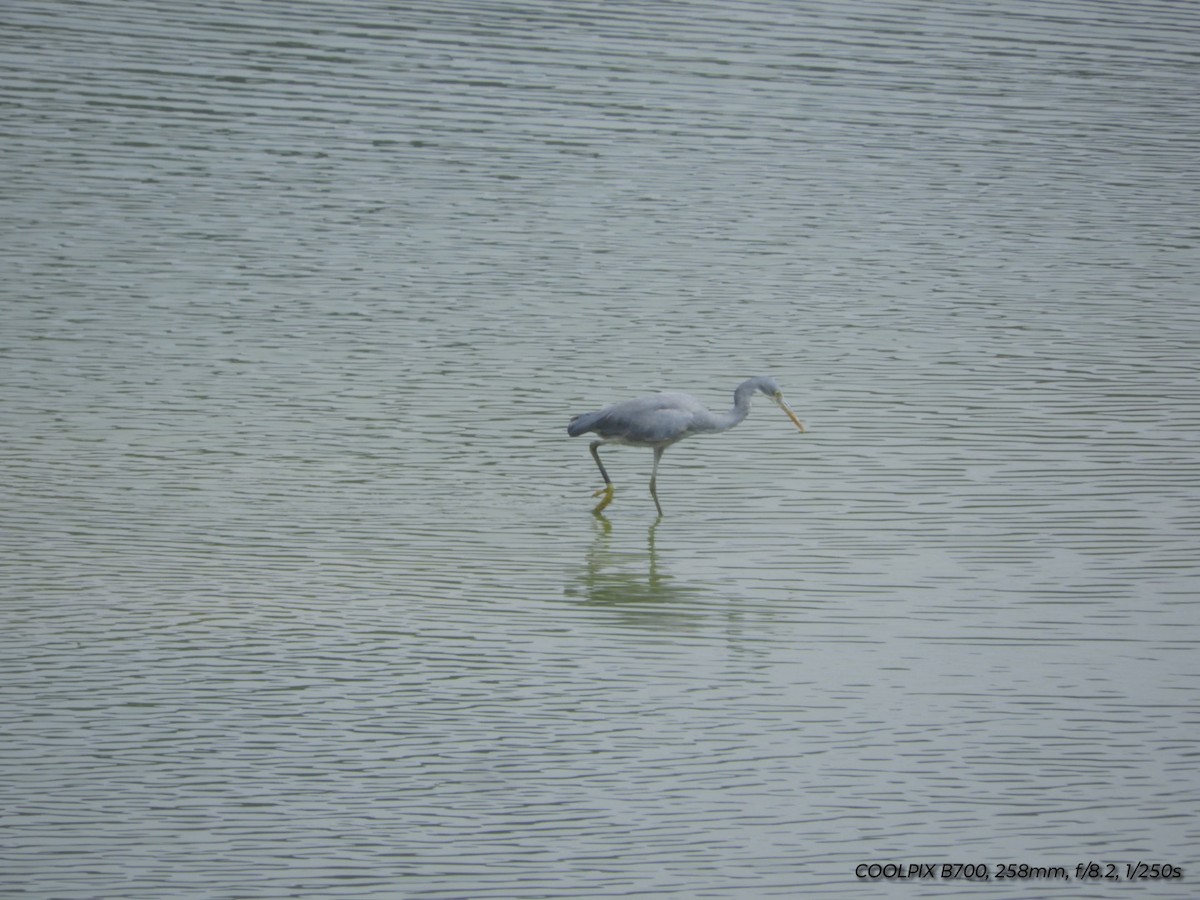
x=607, y=490
x=658, y=452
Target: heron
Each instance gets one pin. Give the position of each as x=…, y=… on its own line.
x=659, y=420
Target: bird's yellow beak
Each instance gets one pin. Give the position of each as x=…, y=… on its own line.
x=778, y=398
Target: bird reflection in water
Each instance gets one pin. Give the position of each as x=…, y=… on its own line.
x=633, y=579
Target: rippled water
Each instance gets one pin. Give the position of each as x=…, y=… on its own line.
x=301, y=594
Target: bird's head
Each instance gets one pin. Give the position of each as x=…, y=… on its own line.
x=771, y=388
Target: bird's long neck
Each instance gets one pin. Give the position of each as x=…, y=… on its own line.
x=741, y=407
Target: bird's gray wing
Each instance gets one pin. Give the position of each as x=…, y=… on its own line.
x=650, y=419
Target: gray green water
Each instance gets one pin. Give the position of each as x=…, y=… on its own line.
x=300, y=595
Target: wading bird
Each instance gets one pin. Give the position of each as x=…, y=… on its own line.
x=659, y=420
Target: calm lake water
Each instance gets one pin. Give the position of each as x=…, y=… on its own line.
x=300, y=591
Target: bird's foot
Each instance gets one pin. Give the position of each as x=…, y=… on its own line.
x=607, y=493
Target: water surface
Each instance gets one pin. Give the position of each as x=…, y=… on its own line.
x=301, y=592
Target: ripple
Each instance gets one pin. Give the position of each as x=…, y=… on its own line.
x=302, y=591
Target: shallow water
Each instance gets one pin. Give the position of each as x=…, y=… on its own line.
x=301, y=592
